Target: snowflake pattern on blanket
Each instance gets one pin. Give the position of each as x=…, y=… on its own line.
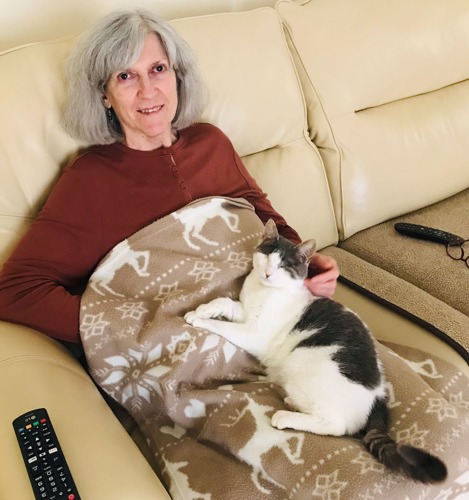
x=204, y=406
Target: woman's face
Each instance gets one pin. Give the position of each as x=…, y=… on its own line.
x=144, y=98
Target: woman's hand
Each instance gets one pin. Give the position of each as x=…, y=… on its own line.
x=325, y=271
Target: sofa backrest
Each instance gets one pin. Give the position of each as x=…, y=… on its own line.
x=33, y=145
x=387, y=91
x=29, y=21
x=255, y=98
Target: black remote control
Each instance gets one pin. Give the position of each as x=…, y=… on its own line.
x=48, y=471
x=427, y=233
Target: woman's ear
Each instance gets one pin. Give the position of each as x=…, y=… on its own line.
x=105, y=102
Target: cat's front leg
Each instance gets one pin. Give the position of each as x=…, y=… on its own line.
x=222, y=307
x=239, y=334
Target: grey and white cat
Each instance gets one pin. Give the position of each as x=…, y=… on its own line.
x=318, y=351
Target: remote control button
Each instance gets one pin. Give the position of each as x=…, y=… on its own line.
x=46, y=466
x=35, y=469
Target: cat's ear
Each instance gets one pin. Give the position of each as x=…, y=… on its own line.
x=307, y=248
x=270, y=231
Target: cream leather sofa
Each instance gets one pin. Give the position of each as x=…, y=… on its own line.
x=331, y=150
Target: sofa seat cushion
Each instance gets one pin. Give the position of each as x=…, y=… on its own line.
x=418, y=275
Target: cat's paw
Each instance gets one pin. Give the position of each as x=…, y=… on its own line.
x=210, y=310
x=282, y=419
x=192, y=318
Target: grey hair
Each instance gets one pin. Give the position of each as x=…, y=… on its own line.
x=114, y=44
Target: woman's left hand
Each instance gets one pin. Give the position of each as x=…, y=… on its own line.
x=325, y=273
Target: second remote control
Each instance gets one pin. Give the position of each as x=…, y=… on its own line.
x=48, y=471
x=427, y=233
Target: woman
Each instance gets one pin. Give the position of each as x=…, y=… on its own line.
x=135, y=91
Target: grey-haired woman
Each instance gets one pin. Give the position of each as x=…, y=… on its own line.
x=101, y=60
x=135, y=93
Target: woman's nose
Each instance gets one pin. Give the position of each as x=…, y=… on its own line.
x=146, y=87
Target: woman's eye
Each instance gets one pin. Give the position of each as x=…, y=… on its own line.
x=124, y=76
x=159, y=68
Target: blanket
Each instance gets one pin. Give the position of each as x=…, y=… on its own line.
x=204, y=406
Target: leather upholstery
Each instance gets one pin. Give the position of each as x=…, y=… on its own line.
x=36, y=372
x=387, y=91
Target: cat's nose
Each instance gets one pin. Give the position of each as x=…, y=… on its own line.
x=269, y=270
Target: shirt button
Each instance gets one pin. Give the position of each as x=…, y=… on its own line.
x=174, y=169
x=183, y=185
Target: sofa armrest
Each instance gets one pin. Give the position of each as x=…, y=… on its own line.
x=36, y=371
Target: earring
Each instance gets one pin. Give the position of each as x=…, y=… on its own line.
x=109, y=114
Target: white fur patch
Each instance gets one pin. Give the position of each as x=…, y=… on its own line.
x=315, y=386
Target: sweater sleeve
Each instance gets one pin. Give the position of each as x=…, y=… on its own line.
x=41, y=282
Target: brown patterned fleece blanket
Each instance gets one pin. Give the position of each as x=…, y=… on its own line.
x=204, y=406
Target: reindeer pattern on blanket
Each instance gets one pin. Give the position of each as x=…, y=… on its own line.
x=204, y=406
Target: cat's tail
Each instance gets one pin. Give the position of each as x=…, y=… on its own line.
x=413, y=463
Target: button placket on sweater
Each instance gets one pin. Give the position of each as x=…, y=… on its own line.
x=182, y=183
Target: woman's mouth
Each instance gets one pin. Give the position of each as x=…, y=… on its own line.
x=149, y=111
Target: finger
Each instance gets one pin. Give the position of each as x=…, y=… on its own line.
x=325, y=276
x=326, y=289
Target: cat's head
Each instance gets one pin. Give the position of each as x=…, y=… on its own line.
x=280, y=263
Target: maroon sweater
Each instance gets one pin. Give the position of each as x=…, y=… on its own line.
x=103, y=197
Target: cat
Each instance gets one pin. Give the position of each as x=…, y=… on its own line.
x=317, y=350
